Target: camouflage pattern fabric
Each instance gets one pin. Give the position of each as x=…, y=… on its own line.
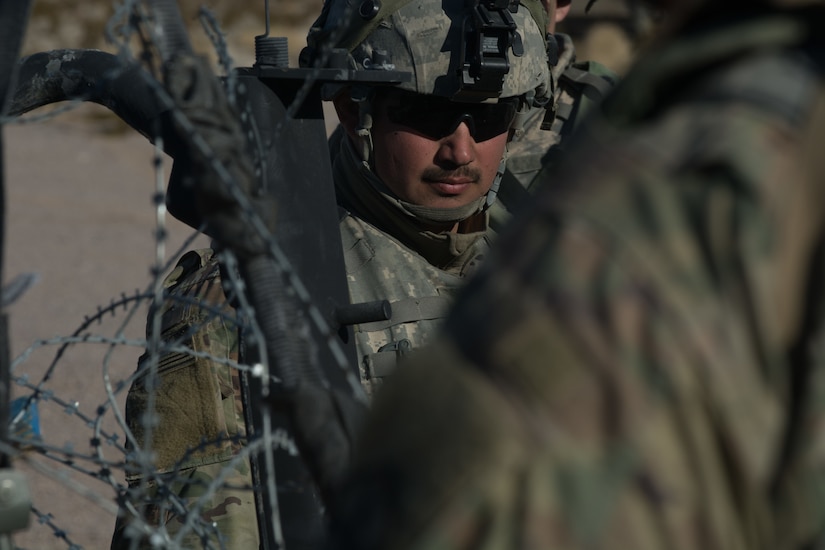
x=580, y=85
x=389, y=257
x=405, y=31
x=200, y=425
x=420, y=295
x=639, y=365
x=579, y=88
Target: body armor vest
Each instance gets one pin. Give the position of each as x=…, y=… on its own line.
x=381, y=268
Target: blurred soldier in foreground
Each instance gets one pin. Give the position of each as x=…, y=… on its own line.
x=639, y=365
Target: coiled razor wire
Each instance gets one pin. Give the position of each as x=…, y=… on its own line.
x=111, y=450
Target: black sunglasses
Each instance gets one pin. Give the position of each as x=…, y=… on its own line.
x=437, y=117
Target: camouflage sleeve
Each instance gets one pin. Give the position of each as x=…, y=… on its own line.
x=635, y=367
x=199, y=425
x=535, y=154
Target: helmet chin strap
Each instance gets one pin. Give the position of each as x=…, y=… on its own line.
x=492, y=194
x=364, y=131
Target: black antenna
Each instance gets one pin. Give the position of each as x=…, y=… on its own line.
x=266, y=16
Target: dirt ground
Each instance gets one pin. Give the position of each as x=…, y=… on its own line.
x=80, y=216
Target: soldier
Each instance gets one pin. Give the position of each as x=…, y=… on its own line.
x=539, y=144
x=413, y=179
x=639, y=363
x=537, y=141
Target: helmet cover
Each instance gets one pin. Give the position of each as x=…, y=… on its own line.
x=436, y=41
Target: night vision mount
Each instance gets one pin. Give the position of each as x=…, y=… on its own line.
x=489, y=34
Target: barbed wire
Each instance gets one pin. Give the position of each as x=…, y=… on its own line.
x=112, y=454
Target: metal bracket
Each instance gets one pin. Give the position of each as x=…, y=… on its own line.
x=489, y=35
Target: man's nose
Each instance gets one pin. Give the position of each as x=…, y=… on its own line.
x=459, y=147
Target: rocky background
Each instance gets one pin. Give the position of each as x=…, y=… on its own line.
x=79, y=190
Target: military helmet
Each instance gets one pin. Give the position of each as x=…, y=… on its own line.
x=465, y=50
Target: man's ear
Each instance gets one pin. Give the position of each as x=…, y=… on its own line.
x=347, y=111
x=562, y=9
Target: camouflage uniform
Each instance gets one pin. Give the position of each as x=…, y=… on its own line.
x=639, y=363
x=388, y=257
x=426, y=270
x=197, y=315
x=200, y=423
x=579, y=86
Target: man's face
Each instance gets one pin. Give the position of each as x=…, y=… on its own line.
x=436, y=153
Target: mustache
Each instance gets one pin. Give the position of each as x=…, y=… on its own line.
x=441, y=174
